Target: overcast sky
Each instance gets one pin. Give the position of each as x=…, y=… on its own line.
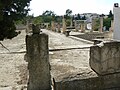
x=77, y=6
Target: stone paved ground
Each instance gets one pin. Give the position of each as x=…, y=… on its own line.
x=65, y=64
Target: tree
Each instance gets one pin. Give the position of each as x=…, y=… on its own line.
x=38, y=20
x=84, y=17
x=58, y=19
x=11, y=11
x=107, y=23
x=110, y=15
x=96, y=22
x=3, y=4
x=68, y=12
x=48, y=13
x=48, y=16
x=78, y=16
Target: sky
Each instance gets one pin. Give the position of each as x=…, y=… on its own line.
x=77, y=6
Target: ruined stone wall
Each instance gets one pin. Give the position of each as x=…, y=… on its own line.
x=105, y=58
x=107, y=82
x=91, y=36
x=105, y=61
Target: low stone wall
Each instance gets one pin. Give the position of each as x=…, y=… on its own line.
x=79, y=84
x=94, y=35
x=107, y=82
x=105, y=61
x=105, y=58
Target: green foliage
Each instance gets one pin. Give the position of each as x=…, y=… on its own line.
x=47, y=19
x=38, y=20
x=107, y=23
x=97, y=24
x=22, y=21
x=58, y=19
x=83, y=18
x=11, y=11
x=78, y=16
x=3, y=4
x=68, y=22
x=68, y=17
x=110, y=15
x=48, y=16
x=48, y=13
x=7, y=29
x=68, y=12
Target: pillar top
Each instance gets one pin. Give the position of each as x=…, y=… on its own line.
x=35, y=29
x=116, y=5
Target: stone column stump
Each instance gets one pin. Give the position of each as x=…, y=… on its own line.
x=38, y=61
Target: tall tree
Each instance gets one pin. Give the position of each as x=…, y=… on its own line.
x=110, y=14
x=84, y=17
x=10, y=11
x=68, y=12
x=107, y=23
x=48, y=13
x=48, y=16
x=78, y=16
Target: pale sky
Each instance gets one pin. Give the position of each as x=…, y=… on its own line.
x=77, y=6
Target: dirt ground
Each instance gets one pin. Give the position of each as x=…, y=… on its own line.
x=13, y=67
x=65, y=64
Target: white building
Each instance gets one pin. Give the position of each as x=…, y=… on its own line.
x=89, y=16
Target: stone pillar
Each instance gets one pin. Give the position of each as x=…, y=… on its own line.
x=76, y=26
x=83, y=28
x=71, y=23
x=27, y=28
x=101, y=25
x=38, y=61
x=84, y=25
x=64, y=25
x=47, y=26
x=93, y=25
x=59, y=31
x=53, y=26
x=116, y=31
x=112, y=26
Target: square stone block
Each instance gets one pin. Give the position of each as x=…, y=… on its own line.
x=105, y=59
